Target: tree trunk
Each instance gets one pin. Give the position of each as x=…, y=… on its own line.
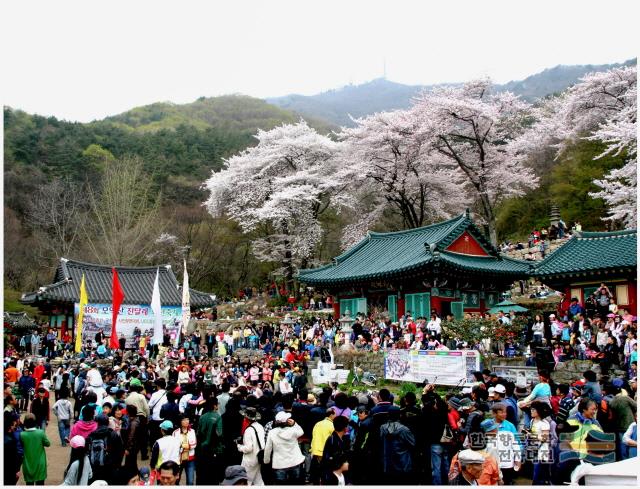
x=287, y=263
x=490, y=217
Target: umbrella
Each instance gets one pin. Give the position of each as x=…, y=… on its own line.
x=507, y=307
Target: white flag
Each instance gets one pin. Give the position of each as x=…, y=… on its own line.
x=186, y=300
x=156, y=307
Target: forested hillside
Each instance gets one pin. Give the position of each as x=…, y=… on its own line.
x=177, y=148
x=129, y=189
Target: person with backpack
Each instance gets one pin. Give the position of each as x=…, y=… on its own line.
x=170, y=409
x=252, y=446
x=105, y=449
x=79, y=470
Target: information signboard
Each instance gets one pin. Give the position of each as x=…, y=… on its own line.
x=442, y=367
x=521, y=376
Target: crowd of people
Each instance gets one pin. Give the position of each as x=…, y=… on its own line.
x=198, y=413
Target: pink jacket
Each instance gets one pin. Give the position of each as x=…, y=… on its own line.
x=83, y=428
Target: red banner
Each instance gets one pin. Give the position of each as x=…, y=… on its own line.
x=118, y=297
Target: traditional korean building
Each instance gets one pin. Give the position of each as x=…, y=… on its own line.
x=589, y=259
x=59, y=300
x=448, y=267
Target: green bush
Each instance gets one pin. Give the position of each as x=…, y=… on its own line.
x=407, y=387
x=277, y=301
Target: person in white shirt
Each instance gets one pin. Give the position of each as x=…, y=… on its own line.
x=433, y=326
x=538, y=329
x=165, y=448
x=283, y=451
x=253, y=441
x=284, y=386
x=95, y=384
x=157, y=400
x=504, y=447
x=184, y=376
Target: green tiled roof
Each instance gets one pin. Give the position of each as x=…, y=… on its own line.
x=137, y=285
x=484, y=264
x=592, y=252
x=388, y=255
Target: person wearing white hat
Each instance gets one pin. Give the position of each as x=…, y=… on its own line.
x=556, y=326
x=283, y=451
x=468, y=469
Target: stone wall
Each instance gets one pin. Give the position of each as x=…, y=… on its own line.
x=368, y=361
x=537, y=254
x=565, y=372
x=508, y=362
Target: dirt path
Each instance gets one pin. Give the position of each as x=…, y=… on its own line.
x=57, y=455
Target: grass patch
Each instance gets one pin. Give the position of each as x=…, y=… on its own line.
x=12, y=304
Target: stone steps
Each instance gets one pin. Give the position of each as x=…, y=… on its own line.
x=537, y=254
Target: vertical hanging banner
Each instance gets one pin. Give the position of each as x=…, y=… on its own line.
x=156, y=307
x=117, y=298
x=84, y=300
x=186, y=301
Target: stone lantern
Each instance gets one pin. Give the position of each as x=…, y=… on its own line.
x=346, y=322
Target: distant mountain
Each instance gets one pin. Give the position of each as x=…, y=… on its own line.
x=358, y=100
x=383, y=95
x=227, y=112
x=555, y=80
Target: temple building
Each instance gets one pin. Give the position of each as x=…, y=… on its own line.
x=60, y=299
x=589, y=259
x=449, y=267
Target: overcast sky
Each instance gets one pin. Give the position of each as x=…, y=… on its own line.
x=83, y=60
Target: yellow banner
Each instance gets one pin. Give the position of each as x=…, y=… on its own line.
x=84, y=300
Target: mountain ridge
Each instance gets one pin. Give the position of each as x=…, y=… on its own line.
x=380, y=94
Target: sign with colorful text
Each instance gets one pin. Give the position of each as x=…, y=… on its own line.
x=132, y=320
x=442, y=367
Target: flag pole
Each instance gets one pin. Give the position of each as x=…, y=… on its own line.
x=84, y=300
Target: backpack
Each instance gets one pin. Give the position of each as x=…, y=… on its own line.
x=98, y=452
